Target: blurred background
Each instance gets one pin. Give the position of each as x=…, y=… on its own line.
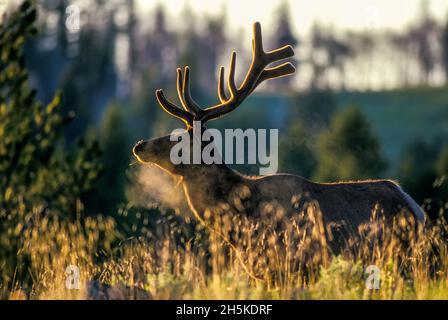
x=369, y=98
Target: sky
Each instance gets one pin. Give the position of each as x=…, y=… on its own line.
x=343, y=14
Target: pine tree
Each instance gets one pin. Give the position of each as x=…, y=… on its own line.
x=349, y=149
x=38, y=176
x=297, y=156
x=442, y=178
x=116, y=158
x=416, y=169
x=445, y=48
x=284, y=36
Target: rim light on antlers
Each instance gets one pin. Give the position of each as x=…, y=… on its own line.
x=256, y=74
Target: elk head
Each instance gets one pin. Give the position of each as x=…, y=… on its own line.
x=157, y=151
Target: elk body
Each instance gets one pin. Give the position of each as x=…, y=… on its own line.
x=345, y=204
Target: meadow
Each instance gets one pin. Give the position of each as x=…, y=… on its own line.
x=176, y=260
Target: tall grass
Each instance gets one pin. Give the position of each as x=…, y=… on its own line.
x=232, y=258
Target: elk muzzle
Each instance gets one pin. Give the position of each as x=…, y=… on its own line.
x=155, y=151
x=140, y=152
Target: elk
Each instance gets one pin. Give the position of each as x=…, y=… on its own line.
x=206, y=186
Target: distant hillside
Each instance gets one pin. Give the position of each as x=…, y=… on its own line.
x=401, y=116
x=398, y=117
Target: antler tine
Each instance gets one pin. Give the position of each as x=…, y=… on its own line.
x=189, y=102
x=282, y=70
x=221, y=91
x=255, y=75
x=257, y=40
x=280, y=53
x=231, y=82
x=179, y=84
x=172, y=109
x=183, y=92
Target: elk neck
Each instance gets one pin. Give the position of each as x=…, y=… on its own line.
x=209, y=185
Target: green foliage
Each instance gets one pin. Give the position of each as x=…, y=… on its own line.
x=401, y=116
x=441, y=184
x=442, y=163
x=423, y=172
x=312, y=114
x=116, y=158
x=341, y=280
x=349, y=149
x=37, y=175
x=417, y=171
x=296, y=153
x=442, y=176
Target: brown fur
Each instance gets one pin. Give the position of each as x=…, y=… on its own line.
x=344, y=202
x=345, y=206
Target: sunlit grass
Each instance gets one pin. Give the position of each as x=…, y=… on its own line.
x=274, y=260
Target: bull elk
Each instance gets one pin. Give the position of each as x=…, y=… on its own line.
x=211, y=185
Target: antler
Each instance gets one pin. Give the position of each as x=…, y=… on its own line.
x=256, y=74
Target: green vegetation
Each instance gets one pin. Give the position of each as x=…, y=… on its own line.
x=38, y=176
x=173, y=264
x=348, y=150
x=400, y=117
